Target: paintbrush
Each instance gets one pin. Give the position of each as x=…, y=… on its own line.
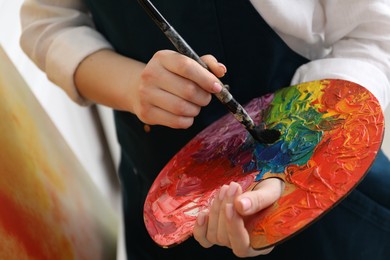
x=259, y=133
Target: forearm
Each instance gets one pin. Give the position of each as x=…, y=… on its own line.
x=108, y=78
x=57, y=36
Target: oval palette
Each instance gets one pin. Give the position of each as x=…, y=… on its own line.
x=331, y=131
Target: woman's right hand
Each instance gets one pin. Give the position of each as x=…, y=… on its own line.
x=173, y=88
x=169, y=90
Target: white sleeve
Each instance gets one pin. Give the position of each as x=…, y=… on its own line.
x=344, y=39
x=57, y=36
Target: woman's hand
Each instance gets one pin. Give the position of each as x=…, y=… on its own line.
x=173, y=88
x=224, y=224
x=169, y=90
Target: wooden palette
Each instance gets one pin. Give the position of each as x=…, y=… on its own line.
x=331, y=132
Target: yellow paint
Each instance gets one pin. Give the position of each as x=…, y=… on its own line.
x=42, y=179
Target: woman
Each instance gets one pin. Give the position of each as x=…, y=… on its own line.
x=110, y=52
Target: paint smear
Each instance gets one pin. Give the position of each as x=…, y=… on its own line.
x=49, y=207
x=331, y=133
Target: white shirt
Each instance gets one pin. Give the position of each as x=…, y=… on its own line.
x=343, y=39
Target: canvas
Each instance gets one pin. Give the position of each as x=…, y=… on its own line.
x=49, y=206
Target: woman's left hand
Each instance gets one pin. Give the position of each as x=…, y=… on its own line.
x=224, y=224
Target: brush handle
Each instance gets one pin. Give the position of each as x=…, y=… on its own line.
x=182, y=46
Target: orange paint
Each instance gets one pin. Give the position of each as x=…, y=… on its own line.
x=331, y=132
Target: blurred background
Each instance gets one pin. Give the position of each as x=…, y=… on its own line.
x=89, y=131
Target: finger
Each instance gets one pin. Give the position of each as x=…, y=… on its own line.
x=232, y=191
x=212, y=230
x=265, y=251
x=200, y=230
x=153, y=115
x=156, y=76
x=264, y=195
x=217, y=68
x=238, y=234
x=172, y=103
x=190, y=69
x=186, y=90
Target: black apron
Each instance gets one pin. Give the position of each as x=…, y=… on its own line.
x=258, y=62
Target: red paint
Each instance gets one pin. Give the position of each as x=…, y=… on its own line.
x=191, y=179
x=338, y=164
x=29, y=230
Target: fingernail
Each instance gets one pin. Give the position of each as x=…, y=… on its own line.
x=229, y=211
x=245, y=204
x=232, y=189
x=217, y=87
x=223, y=67
x=201, y=219
x=222, y=192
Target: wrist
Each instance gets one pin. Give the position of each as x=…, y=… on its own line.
x=108, y=78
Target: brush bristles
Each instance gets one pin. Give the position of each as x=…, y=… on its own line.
x=265, y=136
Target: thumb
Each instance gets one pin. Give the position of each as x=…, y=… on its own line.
x=263, y=195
